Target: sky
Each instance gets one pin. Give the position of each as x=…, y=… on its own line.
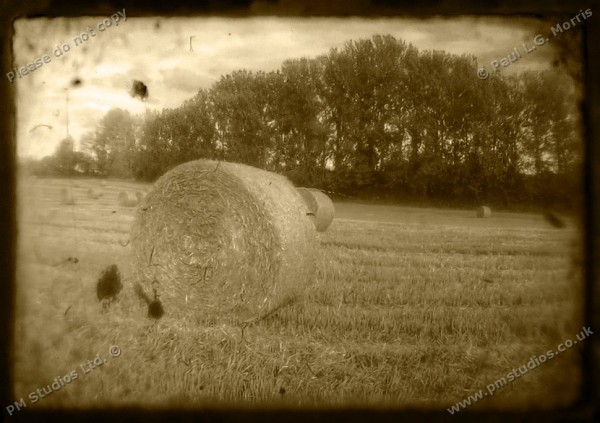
x=175, y=57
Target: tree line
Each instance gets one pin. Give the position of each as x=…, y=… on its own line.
x=376, y=119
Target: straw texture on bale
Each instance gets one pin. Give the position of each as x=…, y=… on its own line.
x=222, y=240
x=125, y=200
x=484, y=211
x=319, y=207
x=67, y=197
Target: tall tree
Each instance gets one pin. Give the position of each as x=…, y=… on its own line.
x=294, y=110
x=239, y=105
x=115, y=144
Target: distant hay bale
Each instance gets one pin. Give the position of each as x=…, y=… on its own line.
x=124, y=200
x=93, y=194
x=222, y=241
x=553, y=219
x=484, y=211
x=319, y=206
x=139, y=196
x=103, y=183
x=66, y=197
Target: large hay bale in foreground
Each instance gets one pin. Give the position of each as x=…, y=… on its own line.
x=224, y=241
x=484, y=211
x=66, y=197
x=319, y=207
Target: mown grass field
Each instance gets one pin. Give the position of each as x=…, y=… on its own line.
x=411, y=308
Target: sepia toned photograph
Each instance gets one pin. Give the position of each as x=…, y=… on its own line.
x=299, y=212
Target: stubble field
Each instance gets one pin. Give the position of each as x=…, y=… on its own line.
x=411, y=307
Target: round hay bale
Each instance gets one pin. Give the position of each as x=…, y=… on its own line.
x=103, y=183
x=122, y=199
x=553, y=219
x=66, y=197
x=93, y=194
x=223, y=241
x=319, y=207
x=139, y=196
x=484, y=211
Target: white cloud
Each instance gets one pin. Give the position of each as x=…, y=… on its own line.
x=104, y=70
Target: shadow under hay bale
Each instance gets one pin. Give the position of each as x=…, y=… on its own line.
x=319, y=206
x=224, y=241
x=124, y=200
x=66, y=197
x=484, y=211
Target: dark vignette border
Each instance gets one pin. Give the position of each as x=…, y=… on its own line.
x=586, y=409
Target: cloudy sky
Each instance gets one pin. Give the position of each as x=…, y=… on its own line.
x=175, y=57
